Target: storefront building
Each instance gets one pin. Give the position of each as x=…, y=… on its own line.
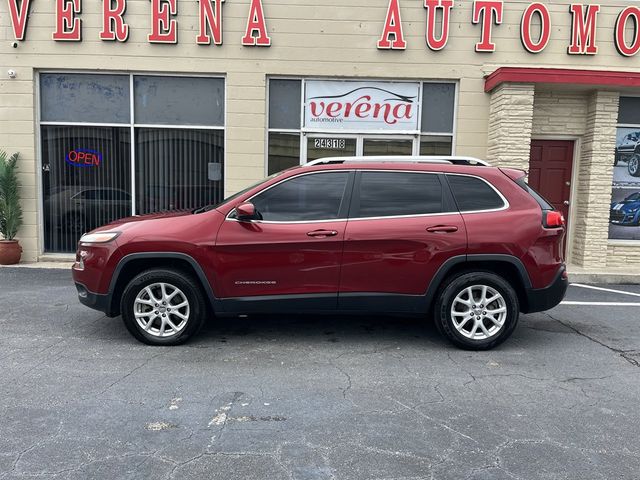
x=123, y=107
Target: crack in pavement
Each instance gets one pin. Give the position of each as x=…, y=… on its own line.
x=343, y=372
x=134, y=370
x=433, y=420
x=622, y=353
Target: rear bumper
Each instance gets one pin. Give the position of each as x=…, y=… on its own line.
x=541, y=299
x=97, y=301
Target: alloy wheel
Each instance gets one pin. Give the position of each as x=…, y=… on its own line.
x=479, y=312
x=161, y=309
x=633, y=166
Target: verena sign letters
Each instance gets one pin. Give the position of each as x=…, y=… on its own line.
x=361, y=106
x=487, y=15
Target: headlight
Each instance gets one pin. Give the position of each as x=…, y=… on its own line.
x=101, y=237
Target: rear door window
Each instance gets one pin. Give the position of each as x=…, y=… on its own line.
x=473, y=194
x=388, y=194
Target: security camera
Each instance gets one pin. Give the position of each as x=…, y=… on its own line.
x=11, y=73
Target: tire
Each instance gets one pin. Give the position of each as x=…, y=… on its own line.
x=175, y=327
x=633, y=166
x=616, y=160
x=461, y=332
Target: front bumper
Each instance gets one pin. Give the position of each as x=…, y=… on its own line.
x=541, y=299
x=623, y=218
x=97, y=301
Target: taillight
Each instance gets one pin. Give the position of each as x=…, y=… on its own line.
x=552, y=219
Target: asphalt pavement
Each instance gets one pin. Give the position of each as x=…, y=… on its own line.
x=316, y=398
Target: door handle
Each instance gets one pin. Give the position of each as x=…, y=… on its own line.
x=322, y=233
x=442, y=229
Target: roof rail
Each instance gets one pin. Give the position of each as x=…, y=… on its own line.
x=452, y=160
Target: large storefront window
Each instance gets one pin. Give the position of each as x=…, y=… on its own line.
x=624, y=219
x=91, y=172
x=313, y=119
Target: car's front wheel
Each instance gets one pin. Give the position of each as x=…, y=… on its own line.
x=163, y=307
x=633, y=166
x=477, y=311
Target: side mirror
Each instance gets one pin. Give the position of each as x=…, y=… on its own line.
x=246, y=211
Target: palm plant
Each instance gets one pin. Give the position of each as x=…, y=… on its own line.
x=10, y=209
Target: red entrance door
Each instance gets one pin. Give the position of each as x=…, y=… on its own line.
x=550, y=171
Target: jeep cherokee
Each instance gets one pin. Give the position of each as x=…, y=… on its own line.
x=453, y=238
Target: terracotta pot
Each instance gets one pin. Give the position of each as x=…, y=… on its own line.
x=10, y=252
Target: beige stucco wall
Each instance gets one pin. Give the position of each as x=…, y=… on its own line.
x=329, y=38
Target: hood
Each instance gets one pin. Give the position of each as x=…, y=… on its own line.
x=150, y=216
x=626, y=205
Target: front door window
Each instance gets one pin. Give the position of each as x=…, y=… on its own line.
x=383, y=146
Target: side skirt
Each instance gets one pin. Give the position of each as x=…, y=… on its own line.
x=325, y=303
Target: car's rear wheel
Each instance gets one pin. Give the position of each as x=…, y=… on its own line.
x=477, y=311
x=634, y=165
x=163, y=307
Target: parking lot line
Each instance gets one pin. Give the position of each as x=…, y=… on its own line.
x=602, y=304
x=591, y=287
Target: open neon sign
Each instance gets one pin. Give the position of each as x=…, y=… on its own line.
x=83, y=157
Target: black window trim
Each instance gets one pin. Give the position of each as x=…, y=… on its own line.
x=342, y=211
x=505, y=202
x=447, y=199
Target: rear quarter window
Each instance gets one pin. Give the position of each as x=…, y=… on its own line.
x=544, y=204
x=474, y=194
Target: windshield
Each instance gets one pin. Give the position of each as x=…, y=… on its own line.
x=235, y=195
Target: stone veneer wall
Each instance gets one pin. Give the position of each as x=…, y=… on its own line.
x=595, y=174
x=517, y=114
x=510, y=125
x=559, y=113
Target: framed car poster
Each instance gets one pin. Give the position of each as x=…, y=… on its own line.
x=624, y=214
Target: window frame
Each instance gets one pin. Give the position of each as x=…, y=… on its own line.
x=448, y=204
x=131, y=125
x=345, y=203
x=505, y=202
x=416, y=136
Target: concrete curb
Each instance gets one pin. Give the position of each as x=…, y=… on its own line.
x=66, y=265
x=606, y=278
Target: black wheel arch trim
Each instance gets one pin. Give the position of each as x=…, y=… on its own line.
x=448, y=265
x=204, y=281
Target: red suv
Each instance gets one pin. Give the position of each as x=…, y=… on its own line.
x=453, y=238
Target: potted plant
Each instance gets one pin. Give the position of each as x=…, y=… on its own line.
x=10, y=209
